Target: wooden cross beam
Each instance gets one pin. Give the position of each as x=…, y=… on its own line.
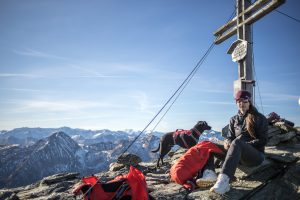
x=247, y=13
x=258, y=10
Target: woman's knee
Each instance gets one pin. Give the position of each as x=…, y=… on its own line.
x=237, y=145
x=236, y=142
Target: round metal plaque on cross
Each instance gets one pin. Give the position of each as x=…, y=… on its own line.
x=238, y=50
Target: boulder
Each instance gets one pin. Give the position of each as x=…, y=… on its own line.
x=129, y=159
x=273, y=130
x=224, y=131
x=116, y=166
x=275, y=140
x=58, y=178
x=284, y=126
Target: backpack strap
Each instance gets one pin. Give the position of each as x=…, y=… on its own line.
x=181, y=133
x=184, y=142
x=175, y=135
x=194, y=138
x=89, y=194
x=120, y=191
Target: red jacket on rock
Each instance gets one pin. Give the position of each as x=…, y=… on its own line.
x=189, y=164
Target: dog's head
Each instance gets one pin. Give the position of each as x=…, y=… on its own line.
x=202, y=126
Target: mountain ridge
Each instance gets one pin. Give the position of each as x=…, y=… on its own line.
x=30, y=159
x=278, y=178
x=59, y=153
x=28, y=136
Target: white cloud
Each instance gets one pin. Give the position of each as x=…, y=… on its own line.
x=22, y=89
x=129, y=67
x=221, y=103
x=280, y=97
x=61, y=105
x=35, y=53
x=220, y=91
x=61, y=119
x=217, y=102
x=92, y=73
x=142, y=101
x=20, y=75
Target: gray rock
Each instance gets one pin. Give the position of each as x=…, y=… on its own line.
x=115, y=166
x=285, y=127
x=57, y=178
x=9, y=195
x=285, y=158
x=224, y=131
x=252, y=170
x=273, y=130
x=286, y=137
x=275, y=140
x=129, y=159
x=284, y=186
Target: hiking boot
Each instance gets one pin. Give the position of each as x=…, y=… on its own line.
x=222, y=185
x=208, y=179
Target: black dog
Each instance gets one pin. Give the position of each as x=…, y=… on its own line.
x=185, y=139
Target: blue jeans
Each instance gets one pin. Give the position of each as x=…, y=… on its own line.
x=239, y=152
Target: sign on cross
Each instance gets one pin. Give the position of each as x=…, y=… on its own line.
x=247, y=13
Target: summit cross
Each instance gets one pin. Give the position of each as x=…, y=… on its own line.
x=241, y=50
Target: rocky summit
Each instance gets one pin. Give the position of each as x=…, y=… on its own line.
x=277, y=178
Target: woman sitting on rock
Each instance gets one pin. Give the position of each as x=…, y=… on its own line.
x=245, y=144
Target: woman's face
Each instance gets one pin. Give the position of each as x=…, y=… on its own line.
x=243, y=105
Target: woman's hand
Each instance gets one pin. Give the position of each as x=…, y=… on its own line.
x=226, y=144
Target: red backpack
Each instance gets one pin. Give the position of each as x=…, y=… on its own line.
x=130, y=186
x=189, y=164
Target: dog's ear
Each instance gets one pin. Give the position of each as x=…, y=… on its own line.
x=203, y=125
x=200, y=123
x=199, y=126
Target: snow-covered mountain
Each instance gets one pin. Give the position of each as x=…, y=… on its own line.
x=211, y=135
x=29, y=154
x=39, y=133
x=21, y=165
x=28, y=136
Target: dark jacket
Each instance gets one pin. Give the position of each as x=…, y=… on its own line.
x=237, y=128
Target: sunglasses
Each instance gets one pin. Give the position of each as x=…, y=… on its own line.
x=243, y=101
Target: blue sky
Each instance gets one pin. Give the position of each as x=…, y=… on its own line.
x=111, y=64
